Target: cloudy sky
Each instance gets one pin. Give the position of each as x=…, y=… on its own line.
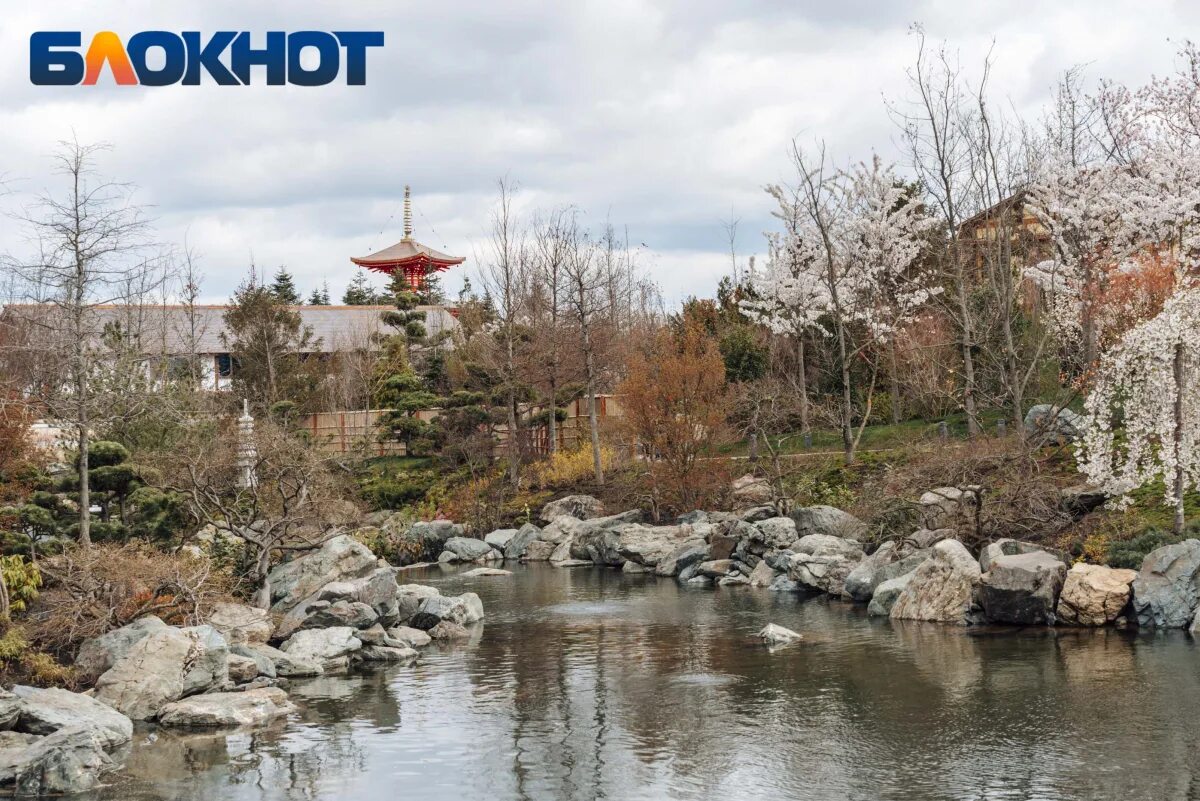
x=666, y=118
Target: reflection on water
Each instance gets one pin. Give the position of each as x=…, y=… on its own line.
x=591, y=684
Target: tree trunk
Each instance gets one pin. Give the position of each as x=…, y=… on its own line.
x=847, y=405
x=968, y=356
x=85, y=497
x=514, y=441
x=262, y=597
x=895, y=379
x=803, y=375
x=1179, y=457
x=552, y=420
x=593, y=421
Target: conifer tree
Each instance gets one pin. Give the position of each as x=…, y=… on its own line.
x=283, y=287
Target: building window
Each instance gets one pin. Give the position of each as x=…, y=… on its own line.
x=224, y=365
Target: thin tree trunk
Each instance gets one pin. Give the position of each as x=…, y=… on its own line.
x=593, y=421
x=85, y=497
x=847, y=405
x=552, y=420
x=805, y=426
x=262, y=597
x=895, y=378
x=1179, y=457
x=968, y=357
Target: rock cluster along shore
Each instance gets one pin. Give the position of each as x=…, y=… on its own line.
x=928, y=574
x=331, y=607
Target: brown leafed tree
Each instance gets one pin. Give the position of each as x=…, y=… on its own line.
x=675, y=400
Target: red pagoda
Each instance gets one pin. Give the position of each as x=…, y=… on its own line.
x=408, y=256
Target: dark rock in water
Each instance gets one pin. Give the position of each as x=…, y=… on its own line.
x=599, y=546
x=782, y=583
x=449, y=630
x=779, y=560
x=687, y=554
x=716, y=568
x=891, y=560
x=1022, y=588
x=885, y=595
x=516, y=546
x=1166, y=591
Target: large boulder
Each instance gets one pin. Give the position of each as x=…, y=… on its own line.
x=822, y=572
x=774, y=532
x=946, y=507
x=324, y=615
x=1166, y=591
x=409, y=598
x=598, y=545
x=1047, y=423
x=943, y=588
x=462, y=609
x=515, y=548
x=164, y=667
x=1022, y=588
x=751, y=490
x=297, y=581
x=10, y=709
x=885, y=595
x=466, y=549
x=1094, y=595
x=890, y=560
x=499, y=538
x=542, y=551
x=330, y=648
x=100, y=653
x=239, y=623
x=582, y=507
x=282, y=664
x=563, y=527
x=69, y=761
x=1009, y=547
x=827, y=520
x=424, y=541
x=226, y=710
x=46, y=710
x=827, y=545
x=773, y=634
x=687, y=553
x=649, y=545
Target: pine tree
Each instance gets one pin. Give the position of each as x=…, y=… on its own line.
x=284, y=288
x=320, y=296
x=359, y=292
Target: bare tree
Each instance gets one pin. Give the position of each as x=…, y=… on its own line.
x=90, y=254
x=505, y=277
x=586, y=300
x=552, y=237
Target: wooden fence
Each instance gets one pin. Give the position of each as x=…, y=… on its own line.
x=358, y=431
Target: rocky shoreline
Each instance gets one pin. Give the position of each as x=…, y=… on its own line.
x=340, y=605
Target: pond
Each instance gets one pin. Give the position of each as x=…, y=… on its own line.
x=594, y=684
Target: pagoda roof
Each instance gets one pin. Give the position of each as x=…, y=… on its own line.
x=406, y=251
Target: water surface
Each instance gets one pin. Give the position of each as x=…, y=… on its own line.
x=593, y=684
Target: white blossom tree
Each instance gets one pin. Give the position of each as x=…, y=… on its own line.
x=844, y=265
x=1144, y=411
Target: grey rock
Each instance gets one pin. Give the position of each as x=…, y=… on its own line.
x=409, y=598
x=424, y=541
x=68, y=761
x=1022, y=588
x=484, y=572
x=827, y=545
x=45, y=710
x=330, y=648
x=413, y=638
x=466, y=549
x=291, y=666
x=241, y=669
x=1010, y=547
x=386, y=653
x=886, y=593
x=562, y=528
x=1082, y=499
x=516, y=547
x=100, y=653
x=783, y=583
x=827, y=520
x=751, y=490
x=239, y=623
x=890, y=560
x=1053, y=424
x=299, y=580
x=775, y=532
x=946, y=507
x=227, y=710
x=499, y=538
x=686, y=554
x=598, y=545
x=449, y=630
x=715, y=568
x=822, y=572
x=1166, y=591
x=164, y=667
x=943, y=588
x=648, y=545
x=584, y=507
x=539, y=551
x=354, y=614
x=263, y=664
x=10, y=709
x=772, y=634
x=733, y=580
x=756, y=513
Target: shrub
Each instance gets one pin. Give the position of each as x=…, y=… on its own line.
x=90, y=591
x=1130, y=553
x=567, y=468
x=22, y=663
x=21, y=581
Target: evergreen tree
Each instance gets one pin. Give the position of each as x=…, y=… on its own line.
x=267, y=341
x=359, y=292
x=284, y=288
x=320, y=296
